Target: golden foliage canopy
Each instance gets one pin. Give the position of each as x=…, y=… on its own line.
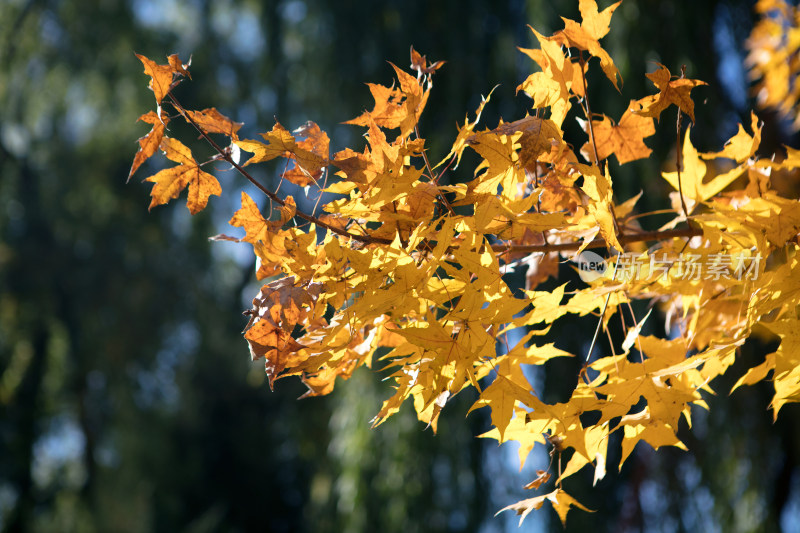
x=405, y=273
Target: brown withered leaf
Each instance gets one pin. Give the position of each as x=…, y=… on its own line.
x=420, y=63
x=277, y=308
x=542, y=477
x=150, y=142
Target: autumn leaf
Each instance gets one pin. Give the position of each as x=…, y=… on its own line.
x=280, y=143
x=586, y=35
x=178, y=66
x=161, y=76
x=741, y=146
x=551, y=87
x=598, y=188
x=420, y=63
x=560, y=500
x=310, y=154
x=677, y=91
x=212, y=121
x=643, y=427
x=395, y=107
x=279, y=306
x=772, y=58
x=249, y=217
x=542, y=477
x=596, y=23
x=150, y=142
x=693, y=177
x=624, y=140
x=171, y=181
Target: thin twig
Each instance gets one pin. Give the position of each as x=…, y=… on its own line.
x=587, y=111
x=367, y=239
x=678, y=153
x=599, y=242
x=432, y=176
x=602, y=315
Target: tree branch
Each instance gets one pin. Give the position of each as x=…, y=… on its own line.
x=425, y=244
x=598, y=243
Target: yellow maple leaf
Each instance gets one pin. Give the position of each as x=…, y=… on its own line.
x=692, y=179
x=551, y=87
x=641, y=426
x=560, y=500
x=586, y=35
x=309, y=155
x=598, y=187
x=741, y=146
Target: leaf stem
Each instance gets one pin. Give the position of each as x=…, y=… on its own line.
x=587, y=111
x=434, y=177
x=678, y=153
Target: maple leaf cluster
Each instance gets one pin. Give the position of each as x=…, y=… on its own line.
x=404, y=272
x=774, y=58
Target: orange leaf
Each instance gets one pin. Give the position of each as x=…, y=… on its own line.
x=212, y=121
x=150, y=142
x=395, y=108
x=672, y=92
x=249, y=217
x=279, y=306
x=279, y=144
x=560, y=500
x=420, y=63
x=178, y=66
x=542, y=477
x=171, y=181
x=625, y=140
x=161, y=75
x=310, y=154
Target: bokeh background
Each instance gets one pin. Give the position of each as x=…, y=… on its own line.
x=128, y=402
